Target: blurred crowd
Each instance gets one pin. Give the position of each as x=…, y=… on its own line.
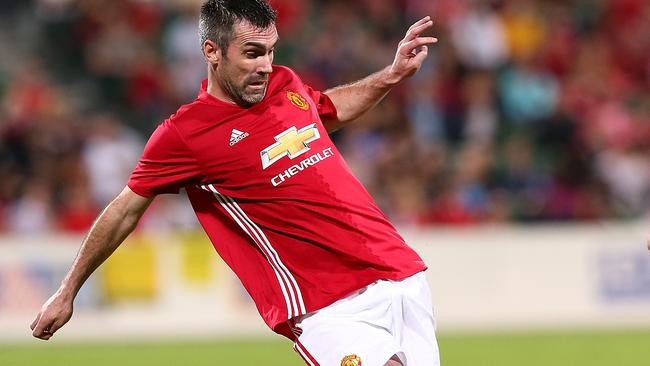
x=526, y=111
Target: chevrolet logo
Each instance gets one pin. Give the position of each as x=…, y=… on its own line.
x=292, y=142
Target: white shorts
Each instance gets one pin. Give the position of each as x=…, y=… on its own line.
x=383, y=319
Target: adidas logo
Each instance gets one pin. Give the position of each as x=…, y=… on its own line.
x=237, y=136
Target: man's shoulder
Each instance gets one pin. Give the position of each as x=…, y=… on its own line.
x=283, y=78
x=284, y=73
x=192, y=112
x=283, y=70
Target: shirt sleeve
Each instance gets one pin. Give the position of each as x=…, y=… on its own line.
x=325, y=106
x=166, y=165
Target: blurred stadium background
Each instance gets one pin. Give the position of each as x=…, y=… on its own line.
x=517, y=162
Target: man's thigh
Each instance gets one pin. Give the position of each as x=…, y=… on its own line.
x=417, y=328
x=394, y=361
x=346, y=343
x=353, y=331
x=384, y=320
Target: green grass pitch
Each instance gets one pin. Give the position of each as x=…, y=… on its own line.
x=551, y=349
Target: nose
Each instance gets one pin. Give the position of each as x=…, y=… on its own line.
x=266, y=65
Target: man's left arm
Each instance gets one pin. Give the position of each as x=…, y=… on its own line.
x=353, y=100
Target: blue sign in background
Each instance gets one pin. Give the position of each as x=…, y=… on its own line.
x=624, y=275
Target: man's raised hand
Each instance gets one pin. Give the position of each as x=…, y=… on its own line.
x=412, y=50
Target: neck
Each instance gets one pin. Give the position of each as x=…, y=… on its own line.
x=215, y=89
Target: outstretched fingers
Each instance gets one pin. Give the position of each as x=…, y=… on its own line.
x=413, y=49
x=418, y=28
x=409, y=48
x=419, y=23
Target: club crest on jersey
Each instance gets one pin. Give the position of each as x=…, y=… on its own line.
x=291, y=143
x=351, y=360
x=298, y=100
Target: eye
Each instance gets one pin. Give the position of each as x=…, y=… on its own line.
x=255, y=53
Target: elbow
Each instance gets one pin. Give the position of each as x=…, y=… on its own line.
x=341, y=120
x=345, y=115
x=124, y=214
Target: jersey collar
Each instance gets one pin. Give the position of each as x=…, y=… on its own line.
x=206, y=97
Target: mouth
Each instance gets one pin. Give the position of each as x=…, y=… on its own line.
x=260, y=84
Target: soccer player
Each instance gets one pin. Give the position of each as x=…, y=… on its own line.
x=323, y=265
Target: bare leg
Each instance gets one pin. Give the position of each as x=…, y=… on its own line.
x=394, y=361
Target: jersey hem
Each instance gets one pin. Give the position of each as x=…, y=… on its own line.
x=140, y=192
x=284, y=327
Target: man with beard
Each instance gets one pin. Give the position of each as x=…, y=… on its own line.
x=323, y=265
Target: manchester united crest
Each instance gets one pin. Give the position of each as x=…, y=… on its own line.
x=351, y=360
x=298, y=100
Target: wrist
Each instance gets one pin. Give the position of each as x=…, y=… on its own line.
x=67, y=292
x=390, y=78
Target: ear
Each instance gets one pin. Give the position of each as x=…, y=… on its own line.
x=212, y=52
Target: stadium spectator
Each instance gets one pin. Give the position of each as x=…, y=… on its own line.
x=108, y=157
x=569, y=80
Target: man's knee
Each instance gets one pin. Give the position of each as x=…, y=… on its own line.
x=394, y=361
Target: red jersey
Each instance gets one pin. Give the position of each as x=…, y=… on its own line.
x=276, y=198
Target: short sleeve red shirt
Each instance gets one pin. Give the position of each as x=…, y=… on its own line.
x=276, y=198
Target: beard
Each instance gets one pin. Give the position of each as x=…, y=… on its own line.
x=241, y=93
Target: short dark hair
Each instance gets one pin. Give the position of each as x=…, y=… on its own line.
x=218, y=18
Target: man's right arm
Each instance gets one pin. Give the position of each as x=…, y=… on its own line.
x=112, y=226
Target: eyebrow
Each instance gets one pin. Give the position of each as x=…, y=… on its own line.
x=259, y=45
